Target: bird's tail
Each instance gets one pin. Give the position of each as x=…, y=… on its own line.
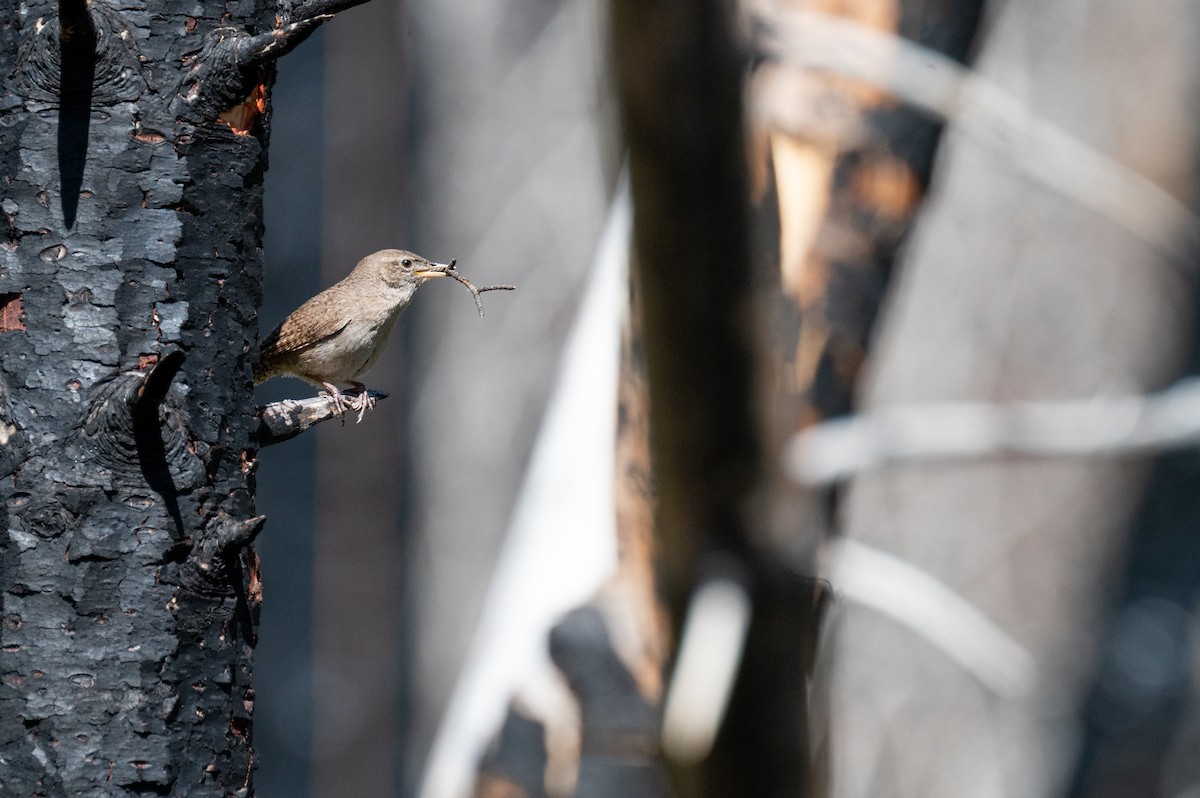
x=262, y=373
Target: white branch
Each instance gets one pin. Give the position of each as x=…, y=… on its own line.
x=706, y=667
x=561, y=541
x=941, y=431
x=942, y=87
x=926, y=606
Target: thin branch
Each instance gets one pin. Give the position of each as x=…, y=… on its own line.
x=929, y=608
x=951, y=431
x=706, y=665
x=323, y=8
x=452, y=271
x=940, y=86
x=303, y=22
x=256, y=50
x=228, y=535
x=281, y=421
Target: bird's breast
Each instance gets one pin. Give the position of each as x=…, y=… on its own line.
x=350, y=353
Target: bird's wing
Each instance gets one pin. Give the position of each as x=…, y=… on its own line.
x=297, y=334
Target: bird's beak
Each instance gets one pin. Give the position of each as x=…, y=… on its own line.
x=437, y=270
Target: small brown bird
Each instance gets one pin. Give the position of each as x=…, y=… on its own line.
x=338, y=335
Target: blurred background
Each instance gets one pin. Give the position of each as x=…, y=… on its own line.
x=981, y=213
x=480, y=131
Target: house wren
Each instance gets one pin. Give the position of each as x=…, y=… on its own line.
x=339, y=334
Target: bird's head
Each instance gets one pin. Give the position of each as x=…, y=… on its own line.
x=401, y=269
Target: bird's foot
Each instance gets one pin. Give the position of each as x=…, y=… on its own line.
x=363, y=402
x=341, y=403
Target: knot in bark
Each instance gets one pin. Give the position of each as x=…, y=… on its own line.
x=135, y=432
x=213, y=568
x=81, y=54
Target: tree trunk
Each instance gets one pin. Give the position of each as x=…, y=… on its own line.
x=1019, y=284
x=701, y=318
x=133, y=146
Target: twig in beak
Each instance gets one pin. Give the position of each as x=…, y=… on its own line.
x=452, y=271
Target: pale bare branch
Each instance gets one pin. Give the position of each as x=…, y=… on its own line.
x=926, y=606
x=280, y=421
x=949, y=431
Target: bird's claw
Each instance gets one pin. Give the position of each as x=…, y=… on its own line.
x=361, y=400
x=338, y=400
x=362, y=403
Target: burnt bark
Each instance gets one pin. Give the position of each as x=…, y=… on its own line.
x=132, y=147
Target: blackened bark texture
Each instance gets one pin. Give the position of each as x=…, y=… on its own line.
x=682, y=113
x=132, y=148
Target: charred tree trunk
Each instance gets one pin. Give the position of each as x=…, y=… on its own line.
x=702, y=329
x=133, y=146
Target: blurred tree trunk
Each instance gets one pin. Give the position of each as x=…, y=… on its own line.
x=702, y=324
x=1013, y=289
x=133, y=147
x=847, y=189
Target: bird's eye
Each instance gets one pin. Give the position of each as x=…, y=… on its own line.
x=406, y=262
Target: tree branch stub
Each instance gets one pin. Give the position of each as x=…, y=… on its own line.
x=284, y=420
